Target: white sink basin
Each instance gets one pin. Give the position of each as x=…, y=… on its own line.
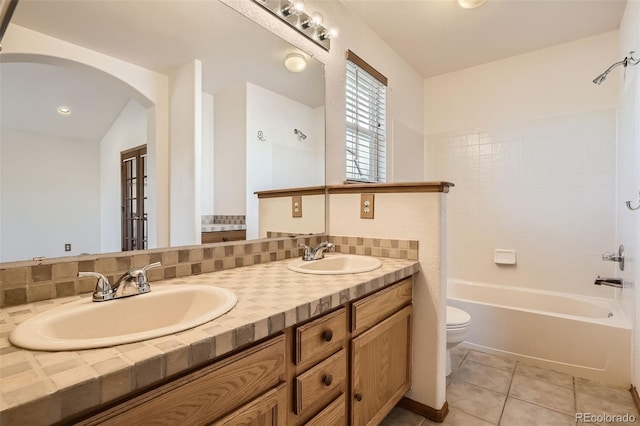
x=335, y=264
x=84, y=324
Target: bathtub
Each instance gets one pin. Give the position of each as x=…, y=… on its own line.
x=582, y=336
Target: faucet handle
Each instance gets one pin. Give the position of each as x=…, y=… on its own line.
x=307, y=252
x=141, y=275
x=103, y=290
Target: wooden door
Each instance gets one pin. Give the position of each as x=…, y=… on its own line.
x=133, y=168
x=381, y=368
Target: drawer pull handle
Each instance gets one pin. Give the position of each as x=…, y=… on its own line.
x=327, y=335
x=327, y=380
x=358, y=396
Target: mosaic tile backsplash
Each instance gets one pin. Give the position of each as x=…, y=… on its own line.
x=31, y=281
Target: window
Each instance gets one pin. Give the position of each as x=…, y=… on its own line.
x=366, y=121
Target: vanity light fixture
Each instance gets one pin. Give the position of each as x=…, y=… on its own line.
x=471, y=4
x=295, y=62
x=64, y=110
x=310, y=24
x=315, y=20
x=295, y=7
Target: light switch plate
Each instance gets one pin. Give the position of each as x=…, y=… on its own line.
x=366, y=206
x=296, y=206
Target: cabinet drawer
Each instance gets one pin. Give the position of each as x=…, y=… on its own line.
x=323, y=382
x=333, y=415
x=269, y=409
x=373, y=309
x=321, y=337
x=208, y=393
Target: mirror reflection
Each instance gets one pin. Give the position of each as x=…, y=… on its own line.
x=83, y=165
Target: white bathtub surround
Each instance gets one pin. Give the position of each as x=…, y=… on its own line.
x=529, y=142
x=544, y=188
x=583, y=336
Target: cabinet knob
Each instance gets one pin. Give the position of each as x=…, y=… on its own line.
x=358, y=396
x=327, y=380
x=327, y=335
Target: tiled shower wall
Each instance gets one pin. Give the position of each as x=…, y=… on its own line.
x=545, y=188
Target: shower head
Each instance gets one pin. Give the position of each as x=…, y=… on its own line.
x=629, y=60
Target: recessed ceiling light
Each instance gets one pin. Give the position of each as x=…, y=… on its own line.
x=64, y=110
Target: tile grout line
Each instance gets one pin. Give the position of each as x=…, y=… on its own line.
x=513, y=374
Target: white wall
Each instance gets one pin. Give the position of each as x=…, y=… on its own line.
x=43, y=180
x=23, y=43
x=529, y=142
x=206, y=201
x=628, y=174
x=128, y=131
x=230, y=185
x=283, y=160
x=185, y=151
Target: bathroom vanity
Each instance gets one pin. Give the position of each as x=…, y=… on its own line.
x=351, y=363
x=297, y=349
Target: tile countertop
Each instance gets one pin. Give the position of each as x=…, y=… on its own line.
x=40, y=387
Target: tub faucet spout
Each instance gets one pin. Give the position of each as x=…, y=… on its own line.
x=612, y=282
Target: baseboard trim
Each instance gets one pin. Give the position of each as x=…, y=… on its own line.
x=636, y=397
x=430, y=413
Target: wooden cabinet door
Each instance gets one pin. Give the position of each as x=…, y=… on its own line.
x=269, y=409
x=381, y=368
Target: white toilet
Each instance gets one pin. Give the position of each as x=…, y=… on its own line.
x=457, y=326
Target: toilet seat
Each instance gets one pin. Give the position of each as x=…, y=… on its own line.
x=457, y=318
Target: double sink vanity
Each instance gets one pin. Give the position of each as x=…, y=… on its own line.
x=289, y=342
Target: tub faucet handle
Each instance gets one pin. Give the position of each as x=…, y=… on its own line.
x=615, y=257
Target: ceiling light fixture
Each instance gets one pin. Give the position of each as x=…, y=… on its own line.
x=471, y=4
x=64, y=110
x=309, y=24
x=295, y=62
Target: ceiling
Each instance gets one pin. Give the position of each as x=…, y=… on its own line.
x=438, y=36
x=433, y=36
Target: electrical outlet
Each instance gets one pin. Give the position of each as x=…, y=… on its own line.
x=366, y=206
x=296, y=206
x=67, y=247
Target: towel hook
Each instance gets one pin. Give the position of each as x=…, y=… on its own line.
x=628, y=203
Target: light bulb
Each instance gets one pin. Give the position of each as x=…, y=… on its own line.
x=64, y=110
x=471, y=4
x=298, y=6
x=328, y=34
x=316, y=19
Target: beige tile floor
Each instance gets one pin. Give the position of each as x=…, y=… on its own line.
x=488, y=390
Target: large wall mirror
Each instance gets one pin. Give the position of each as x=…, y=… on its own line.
x=66, y=176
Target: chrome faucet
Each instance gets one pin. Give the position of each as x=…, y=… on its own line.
x=616, y=257
x=131, y=283
x=317, y=252
x=612, y=282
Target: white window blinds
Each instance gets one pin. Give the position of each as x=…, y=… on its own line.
x=366, y=122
